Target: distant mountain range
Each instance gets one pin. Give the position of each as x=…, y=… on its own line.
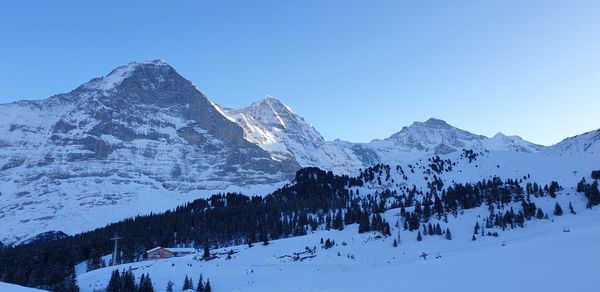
x=143, y=138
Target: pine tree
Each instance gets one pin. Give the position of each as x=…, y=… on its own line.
x=338, y=221
x=187, y=284
x=571, y=210
x=200, y=287
x=114, y=284
x=419, y=237
x=363, y=224
x=473, y=238
x=128, y=281
x=207, y=287
x=145, y=284
x=596, y=174
x=69, y=284
x=558, y=210
x=539, y=214
x=206, y=254
x=593, y=194
x=448, y=234
x=170, y=286
x=476, y=229
x=95, y=261
x=264, y=238
x=142, y=281
x=251, y=240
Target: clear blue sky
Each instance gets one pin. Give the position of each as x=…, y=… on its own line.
x=357, y=70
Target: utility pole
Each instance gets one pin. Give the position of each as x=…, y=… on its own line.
x=115, y=250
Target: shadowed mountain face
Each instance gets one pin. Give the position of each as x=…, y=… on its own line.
x=140, y=131
x=151, y=102
x=144, y=113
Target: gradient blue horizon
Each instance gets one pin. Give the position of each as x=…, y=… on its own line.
x=356, y=70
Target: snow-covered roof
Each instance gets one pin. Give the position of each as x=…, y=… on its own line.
x=154, y=249
x=181, y=249
x=173, y=249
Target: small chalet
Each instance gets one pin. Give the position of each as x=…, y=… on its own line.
x=158, y=252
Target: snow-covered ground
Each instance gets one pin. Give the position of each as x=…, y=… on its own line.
x=539, y=257
x=6, y=287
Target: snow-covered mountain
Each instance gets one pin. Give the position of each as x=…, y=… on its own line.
x=433, y=135
x=586, y=143
x=277, y=129
x=126, y=143
x=144, y=139
x=436, y=137
x=501, y=142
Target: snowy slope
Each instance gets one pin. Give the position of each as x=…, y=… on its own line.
x=524, y=255
x=6, y=287
x=587, y=143
x=501, y=142
x=367, y=262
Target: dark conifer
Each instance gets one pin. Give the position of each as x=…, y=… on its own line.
x=187, y=283
x=114, y=284
x=146, y=284
x=200, y=287
x=264, y=238
x=207, y=287
x=539, y=214
x=571, y=210
x=128, y=281
x=558, y=210
x=448, y=234
x=206, y=254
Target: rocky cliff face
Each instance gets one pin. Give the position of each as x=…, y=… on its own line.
x=277, y=129
x=139, y=131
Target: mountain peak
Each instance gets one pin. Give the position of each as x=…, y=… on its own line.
x=270, y=107
x=273, y=104
x=433, y=135
x=433, y=122
x=499, y=135
x=116, y=76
